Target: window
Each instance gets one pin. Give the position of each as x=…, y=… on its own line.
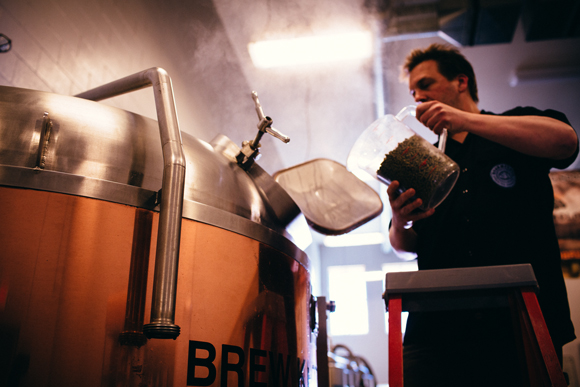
x=347, y=287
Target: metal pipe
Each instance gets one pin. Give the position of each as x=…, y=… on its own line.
x=132, y=334
x=162, y=325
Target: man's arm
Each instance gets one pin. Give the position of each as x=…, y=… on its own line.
x=532, y=135
x=403, y=242
x=403, y=239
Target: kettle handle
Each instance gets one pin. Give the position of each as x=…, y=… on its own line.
x=405, y=112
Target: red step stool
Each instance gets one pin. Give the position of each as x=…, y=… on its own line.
x=467, y=288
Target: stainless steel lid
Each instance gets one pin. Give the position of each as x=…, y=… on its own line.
x=76, y=146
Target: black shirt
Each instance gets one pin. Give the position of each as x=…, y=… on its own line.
x=499, y=212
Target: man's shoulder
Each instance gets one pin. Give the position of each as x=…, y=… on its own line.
x=532, y=111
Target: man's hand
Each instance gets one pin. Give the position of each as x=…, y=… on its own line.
x=403, y=209
x=438, y=116
x=404, y=239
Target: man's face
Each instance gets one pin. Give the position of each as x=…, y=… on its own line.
x=427, y=84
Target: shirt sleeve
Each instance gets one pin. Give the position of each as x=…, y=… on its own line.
x=531, y=111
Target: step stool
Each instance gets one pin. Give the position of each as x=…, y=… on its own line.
x=467, y=288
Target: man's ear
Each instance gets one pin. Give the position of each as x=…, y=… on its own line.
x=463, y=82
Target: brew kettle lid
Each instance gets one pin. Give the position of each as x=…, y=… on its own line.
x=333, y=200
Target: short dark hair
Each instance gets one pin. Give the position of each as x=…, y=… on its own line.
x=450, y=63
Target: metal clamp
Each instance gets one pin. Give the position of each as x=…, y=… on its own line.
x=43, y=143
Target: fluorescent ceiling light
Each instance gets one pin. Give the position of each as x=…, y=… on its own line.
x=371, y=238
x=308, y=50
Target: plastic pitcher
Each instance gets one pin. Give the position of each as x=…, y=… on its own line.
x=389, y=150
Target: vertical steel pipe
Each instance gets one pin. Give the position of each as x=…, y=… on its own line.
x=162, y=324
x=132, y=333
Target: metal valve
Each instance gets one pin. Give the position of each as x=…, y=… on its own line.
x=331, y=306
x=250, y=149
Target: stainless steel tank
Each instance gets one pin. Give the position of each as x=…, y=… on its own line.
x=103, y=283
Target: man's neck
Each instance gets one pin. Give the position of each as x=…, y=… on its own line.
x=469, y=105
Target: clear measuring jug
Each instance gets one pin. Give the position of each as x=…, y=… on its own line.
x=389, y=150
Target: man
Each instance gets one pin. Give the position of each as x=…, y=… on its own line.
x=499, y=212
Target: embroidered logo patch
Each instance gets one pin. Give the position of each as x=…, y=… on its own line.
x=503, y=175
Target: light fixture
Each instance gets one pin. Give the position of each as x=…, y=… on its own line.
x=544, y=74
x=309, y=50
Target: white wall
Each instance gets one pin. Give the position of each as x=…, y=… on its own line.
x=69, y=46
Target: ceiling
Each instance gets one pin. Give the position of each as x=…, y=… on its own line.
x=483, y=21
